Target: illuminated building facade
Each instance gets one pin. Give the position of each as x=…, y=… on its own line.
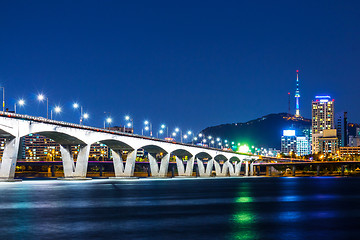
x=342, y=129
x=39, y=148
x=288, y=142
x=35, y=147
x=323, y=119
x=303, y=146
x=349, y=151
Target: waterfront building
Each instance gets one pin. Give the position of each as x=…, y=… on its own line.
x=303, y=145
x=328, y=142
x=35, y=147
x=354, y=141
x=288, y=142
x=342, y=128
x=349, y=151
x=323, y=119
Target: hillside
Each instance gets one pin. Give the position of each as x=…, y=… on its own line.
x=262, y=132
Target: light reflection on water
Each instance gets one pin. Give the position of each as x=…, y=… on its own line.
x=245, y=208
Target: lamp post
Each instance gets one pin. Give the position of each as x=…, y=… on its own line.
x=3, y=92
x=167, y=129
x=179, y=130
x=190, y=133
x=86, y=116
x=148, y=127
x=76, y=106
x=57, y=109
x=21, y=103
x=107, y=120
x=41, y=98
x=161, y=131
x=185, y=137
x=128, y=118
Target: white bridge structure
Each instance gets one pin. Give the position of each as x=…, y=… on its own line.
x=15, y=126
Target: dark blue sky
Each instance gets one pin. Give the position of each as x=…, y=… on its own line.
x=185, y=64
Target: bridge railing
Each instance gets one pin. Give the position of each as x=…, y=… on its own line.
x=74, y=125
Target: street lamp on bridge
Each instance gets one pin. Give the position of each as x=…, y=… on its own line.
x=82, y=115
x=130, y=122
x=21, y=103
x=41, y=98
x=57, y=109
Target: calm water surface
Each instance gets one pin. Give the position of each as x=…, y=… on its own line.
x=243, y=208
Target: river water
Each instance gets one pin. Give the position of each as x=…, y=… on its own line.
x=216, y=208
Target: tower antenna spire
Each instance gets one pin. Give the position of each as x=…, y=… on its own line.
x=297, y=95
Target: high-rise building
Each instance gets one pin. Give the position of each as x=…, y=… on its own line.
x=342, y=128
x=322, y=121
x=297, y=96
x=288, y=142
x=303, y=146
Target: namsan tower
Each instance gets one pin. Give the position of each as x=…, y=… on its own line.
x=297, y=95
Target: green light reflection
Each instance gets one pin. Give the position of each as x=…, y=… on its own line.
x=244, y=219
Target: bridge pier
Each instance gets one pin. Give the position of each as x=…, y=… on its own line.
x=74, y=171
x=120, y=170
x=252, y=169
x=247, y=168
x=10, y=155
x=156, y=171
x=293, y=170
x=221, y=171
x=182, y=170
x=205, y=171
x=234, y=169
x=268, y=170
x=342, y=170
x=318, y=170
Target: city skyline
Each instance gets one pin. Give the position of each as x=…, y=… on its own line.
x=188, y=71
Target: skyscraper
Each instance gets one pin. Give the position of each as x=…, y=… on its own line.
x=288, y=142
x=342, y=128
x=324, y=137
x=297, y=95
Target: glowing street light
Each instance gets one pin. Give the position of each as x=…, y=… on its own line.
x=41, y=98
x=148, y=126
x=108, y=120
x=21, y=103
x=128, y=118
x=179, y=130
x=76, y=106
x=86, y=116
x=163, y=126
x=190, y=133
x=161, y=131
x=57, y=109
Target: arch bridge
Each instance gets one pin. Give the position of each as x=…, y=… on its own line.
x=15, y=126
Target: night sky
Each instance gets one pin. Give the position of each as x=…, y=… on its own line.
x=186, y=64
